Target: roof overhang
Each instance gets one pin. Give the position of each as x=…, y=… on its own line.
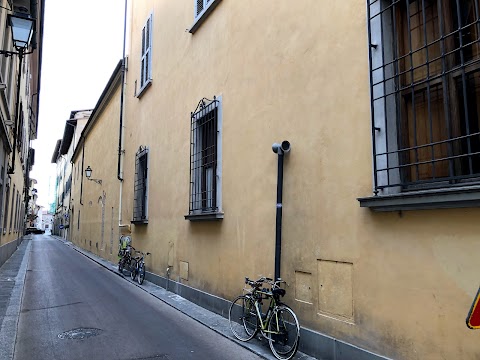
x=67, y=136
x=56, y=151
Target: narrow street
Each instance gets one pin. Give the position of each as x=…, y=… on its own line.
x=73, y=308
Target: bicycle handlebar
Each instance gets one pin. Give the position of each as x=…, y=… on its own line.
x=259, y=282
x=254, y=283
x=141, y=252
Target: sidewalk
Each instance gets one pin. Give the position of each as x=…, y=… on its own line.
x=213, y=321
x=12, y=279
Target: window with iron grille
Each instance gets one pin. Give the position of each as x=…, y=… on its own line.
x=140, y=207
x=5, y=209
x=146, y=55
x=425, y=94
x=205, y=161
x=202, y=9
x=12, y=208
x=17, y=213
x=200, y=5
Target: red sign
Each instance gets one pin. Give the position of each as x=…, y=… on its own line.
x=473, y=319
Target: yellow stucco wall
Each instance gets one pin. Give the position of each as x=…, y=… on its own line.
x=100, y=153
x=398, y=284
x=14, y=229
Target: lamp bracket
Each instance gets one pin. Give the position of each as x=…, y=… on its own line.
x=98, y=181
x=8, y=53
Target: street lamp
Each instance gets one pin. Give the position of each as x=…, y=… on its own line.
x=88, y=174
x=22, y=30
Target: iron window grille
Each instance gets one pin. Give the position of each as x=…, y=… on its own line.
x=12, y=208
x=14, y=212
x=17, y=213
x=200, y=6
x=140, y=207
x=425, y=93
x=204, y=156
x=146, y=56
x=202, y=9
x=7, y=200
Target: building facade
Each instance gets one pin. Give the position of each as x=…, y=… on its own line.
x=44, y=221
x=19, y=104
x=62, y=157
x=378, y=100
x=32, y=211
x=96, y=199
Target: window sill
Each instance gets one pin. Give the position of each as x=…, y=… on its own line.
x=205, y=216
x=139, y=222
x=142, y=89
x=459, y=197
x=200, y=19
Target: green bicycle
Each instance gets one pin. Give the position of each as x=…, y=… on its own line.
x=279, y=324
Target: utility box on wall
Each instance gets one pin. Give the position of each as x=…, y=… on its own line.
x=335, y=284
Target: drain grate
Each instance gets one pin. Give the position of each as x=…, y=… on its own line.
x=79, y=334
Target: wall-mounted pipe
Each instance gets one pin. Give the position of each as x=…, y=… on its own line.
x=280, y=150
x=121, y=151
x=122, y=93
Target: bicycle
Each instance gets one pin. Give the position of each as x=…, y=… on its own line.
x=133, y=266
x=125, y=260
x=279, y=324
x=139, y=267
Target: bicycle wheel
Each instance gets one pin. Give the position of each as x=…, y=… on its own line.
x=284, y=333
x=133, y=271
x=243, y=318
x=141, y=274
x=120, y=266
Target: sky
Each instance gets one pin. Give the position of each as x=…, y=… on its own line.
x=82, y=44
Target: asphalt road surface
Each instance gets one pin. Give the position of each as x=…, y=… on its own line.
x=75, y=309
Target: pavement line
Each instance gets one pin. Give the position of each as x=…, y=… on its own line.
x=52, y=307
x=8, y=330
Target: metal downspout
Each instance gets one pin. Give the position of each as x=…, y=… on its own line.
x=279, y=149
x=121, y=151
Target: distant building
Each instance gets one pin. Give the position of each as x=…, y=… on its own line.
x=62, y=156
x=33, y=210
x=45, y=221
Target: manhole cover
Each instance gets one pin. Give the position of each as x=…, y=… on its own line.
x=80, y=333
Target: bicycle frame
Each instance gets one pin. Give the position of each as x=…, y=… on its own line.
x=269, y=314
x=141, y=261
x=279, y=324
